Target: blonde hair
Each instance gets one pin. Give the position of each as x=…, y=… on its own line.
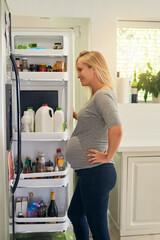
x=96, y=60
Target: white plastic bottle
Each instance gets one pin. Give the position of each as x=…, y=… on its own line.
x=32, y=114
x=44, y=119
x=59, y=120
x=26, y=121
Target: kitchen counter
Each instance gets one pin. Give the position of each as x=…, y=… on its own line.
x=138, y=144
x=141, y=127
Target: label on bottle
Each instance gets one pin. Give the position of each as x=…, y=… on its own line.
x=60, y=162
x=134, y=90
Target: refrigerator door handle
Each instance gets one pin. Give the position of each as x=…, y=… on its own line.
x=18, y=124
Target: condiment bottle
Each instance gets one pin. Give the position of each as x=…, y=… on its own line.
x=27, y=168
x=59, y=160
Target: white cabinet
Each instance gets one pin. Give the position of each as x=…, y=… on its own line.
x=59, y=84
x=134, y=208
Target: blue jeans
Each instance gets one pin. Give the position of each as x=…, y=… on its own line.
x=88, y=207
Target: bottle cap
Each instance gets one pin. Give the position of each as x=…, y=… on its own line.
x=58, y=108
x=29, y=107
x=20, y=214
x=44, y=104
x=31, y=194
x=27, y=162
x=58, y=150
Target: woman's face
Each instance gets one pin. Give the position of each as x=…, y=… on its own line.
x=85, y=74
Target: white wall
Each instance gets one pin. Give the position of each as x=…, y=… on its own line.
x=103, y=15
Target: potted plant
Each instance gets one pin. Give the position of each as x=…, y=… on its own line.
x=149, y=83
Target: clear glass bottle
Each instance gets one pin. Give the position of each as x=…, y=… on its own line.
x=134, y=90
x=27, y=168
x=31, y=198
x=25, y=65
x=41, y=163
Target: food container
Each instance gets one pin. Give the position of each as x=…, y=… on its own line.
x=60, y=66
x=42, y=67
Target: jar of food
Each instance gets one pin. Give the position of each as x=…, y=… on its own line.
x=42, y=67
x=32, y=67
x=25, y=65
x=41, y=163
x=18, y=64
x=57, y=46
x=49, y=68
x=60, y=66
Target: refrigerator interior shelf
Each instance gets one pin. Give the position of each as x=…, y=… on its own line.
x=46, y=227
x=41, y=220
x=43, y=136
x=41, y=76
x=45, y=174
x=40, y=52
x=44, y=182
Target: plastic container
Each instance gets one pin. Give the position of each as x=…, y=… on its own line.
x=32, y=115
x=59, y=120
x=44, y=119
x=26, y=121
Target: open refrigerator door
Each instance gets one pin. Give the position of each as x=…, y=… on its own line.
x=47, y=80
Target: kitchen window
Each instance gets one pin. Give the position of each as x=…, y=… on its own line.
x=138, y=42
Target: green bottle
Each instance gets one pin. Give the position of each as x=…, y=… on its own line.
x=52, y=210
x=134, y=90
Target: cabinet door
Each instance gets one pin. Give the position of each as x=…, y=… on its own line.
x=143, y=193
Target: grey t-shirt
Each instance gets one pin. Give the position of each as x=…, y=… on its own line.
x=91, y=130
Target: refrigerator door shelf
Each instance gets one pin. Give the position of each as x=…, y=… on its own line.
x=42, y=76
x=45, y=174
x=40, y=52
x=41, y=220
x=41, y=136
x=47, y=227
x=44, y=182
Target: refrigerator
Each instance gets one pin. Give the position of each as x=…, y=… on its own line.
x=19, y=90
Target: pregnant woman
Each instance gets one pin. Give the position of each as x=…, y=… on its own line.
x=91, y=148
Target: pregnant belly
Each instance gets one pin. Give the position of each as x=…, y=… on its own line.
x=77, y=148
